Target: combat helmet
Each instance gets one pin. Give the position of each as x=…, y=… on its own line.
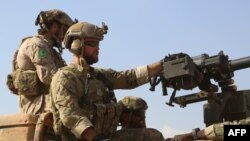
x=46, y=17
x=74, y=38
x=133, y=103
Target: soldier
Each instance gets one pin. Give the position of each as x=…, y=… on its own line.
x=36, y=61
x=82, y=95
x=133, y=112
x=212, y=132
x=133, y=123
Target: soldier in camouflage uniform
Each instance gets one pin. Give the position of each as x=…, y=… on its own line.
x=212, y=132
x=36, y=61
x=133, y=123
x=82, y=103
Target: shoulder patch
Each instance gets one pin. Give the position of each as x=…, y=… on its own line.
x=42, y=53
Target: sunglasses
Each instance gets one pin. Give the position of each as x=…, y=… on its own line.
x=91, y=43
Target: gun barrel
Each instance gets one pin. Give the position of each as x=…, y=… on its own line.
x=240, y=63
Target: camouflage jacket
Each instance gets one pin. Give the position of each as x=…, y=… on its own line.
x=216, y=131
x=81, y=97
x=35, y=56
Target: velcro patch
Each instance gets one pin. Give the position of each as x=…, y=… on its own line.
x=42, y=53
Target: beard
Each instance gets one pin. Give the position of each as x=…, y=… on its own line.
x=91, y=60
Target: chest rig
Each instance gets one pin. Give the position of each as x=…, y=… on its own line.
x=97, y=99
x=106, y=110
x=97, y=88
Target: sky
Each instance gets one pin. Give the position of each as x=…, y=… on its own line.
x=140, y=32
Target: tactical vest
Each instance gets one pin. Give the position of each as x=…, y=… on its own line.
x=26, y=82
x=97, y=100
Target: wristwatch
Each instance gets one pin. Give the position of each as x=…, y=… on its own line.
x=194, y=133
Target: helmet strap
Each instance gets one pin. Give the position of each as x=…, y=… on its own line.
x=81, y=49
x=55, y=38
x=83, y=62
x=57, y=44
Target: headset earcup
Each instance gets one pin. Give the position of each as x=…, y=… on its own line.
x=76, y=46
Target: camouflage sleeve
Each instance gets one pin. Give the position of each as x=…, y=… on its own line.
x=216, y=131
x=43, y=61
x=65, y=97
x=127, y=79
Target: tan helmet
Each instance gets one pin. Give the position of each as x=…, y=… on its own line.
x=46, y=17
x=74, y=38
x=133, y=103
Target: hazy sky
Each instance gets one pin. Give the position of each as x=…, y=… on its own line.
x=140, y=32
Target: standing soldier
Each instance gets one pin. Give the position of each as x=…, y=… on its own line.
x=81, y=102
x=36, y=61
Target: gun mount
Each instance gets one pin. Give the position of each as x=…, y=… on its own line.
x=180, y=71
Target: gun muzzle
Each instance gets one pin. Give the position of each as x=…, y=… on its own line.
x=241, y=63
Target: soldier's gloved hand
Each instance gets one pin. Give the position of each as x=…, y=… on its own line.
x=88, y=134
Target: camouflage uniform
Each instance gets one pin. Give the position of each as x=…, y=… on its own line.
x=36, y=54
x=216, y=131
x=136, y=134
x=82, y=95
x=81, y=98
x=36, y=61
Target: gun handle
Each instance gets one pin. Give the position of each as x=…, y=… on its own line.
x=152, y=82
x=170, y=103
x=152, y=88
x=164, y=88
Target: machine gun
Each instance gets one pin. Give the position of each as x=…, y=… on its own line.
x=180, y=71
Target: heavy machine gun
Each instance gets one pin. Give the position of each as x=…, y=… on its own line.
x=182, y=72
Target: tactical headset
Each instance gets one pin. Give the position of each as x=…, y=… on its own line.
x=45, y=17
x=74, y=38
x=76, y=46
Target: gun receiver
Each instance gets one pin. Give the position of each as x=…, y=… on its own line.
x=180, y=71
